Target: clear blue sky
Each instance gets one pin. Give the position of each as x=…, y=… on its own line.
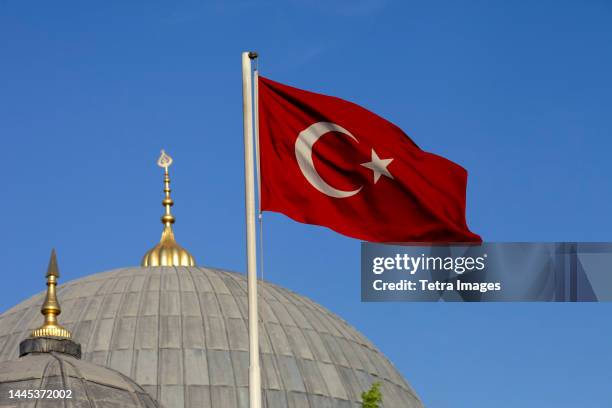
x=518, y=92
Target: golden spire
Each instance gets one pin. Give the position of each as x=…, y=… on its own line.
x=167, y=252
x=51, y=308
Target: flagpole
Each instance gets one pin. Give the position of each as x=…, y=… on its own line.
x=249, y=201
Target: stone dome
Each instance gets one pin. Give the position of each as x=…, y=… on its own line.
x=89, y=385
x=181, y=333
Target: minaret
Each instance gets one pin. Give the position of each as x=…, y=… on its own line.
x=168, y=252
x=51, y=336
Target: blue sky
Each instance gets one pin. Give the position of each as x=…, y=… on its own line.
x=519, y=93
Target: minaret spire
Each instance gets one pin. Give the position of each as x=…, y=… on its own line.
x=51, y=308
x=168, y=252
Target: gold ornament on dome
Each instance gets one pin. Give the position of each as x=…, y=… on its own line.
x=168, y=252
x=51, y=308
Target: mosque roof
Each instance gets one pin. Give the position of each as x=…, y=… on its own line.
x=181, y=333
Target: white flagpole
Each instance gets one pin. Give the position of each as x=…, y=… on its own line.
x=249, y=201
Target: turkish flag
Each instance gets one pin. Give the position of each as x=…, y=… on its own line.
x=330, y=162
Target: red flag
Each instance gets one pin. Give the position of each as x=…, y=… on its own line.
x=330, y=162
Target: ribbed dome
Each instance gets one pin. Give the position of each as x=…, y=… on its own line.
x=181, y=333
x=89, y=385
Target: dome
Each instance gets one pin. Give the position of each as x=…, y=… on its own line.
x=89, y=385
x=181, y=333
x=49, y=368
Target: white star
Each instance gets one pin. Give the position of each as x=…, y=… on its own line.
x=378, y=166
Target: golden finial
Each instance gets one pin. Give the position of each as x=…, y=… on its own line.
x=51, y=308
x=165, y=161
x=167, y=252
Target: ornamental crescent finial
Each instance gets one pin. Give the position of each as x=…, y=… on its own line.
x=168, y=252
x=164, y=160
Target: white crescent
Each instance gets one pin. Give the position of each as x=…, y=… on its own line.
x=303, y=153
